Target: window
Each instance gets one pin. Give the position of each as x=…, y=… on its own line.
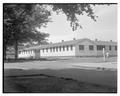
x=24, y=51
x=115, y=47
x=43, y=50
x=46, y=49
x=60, y=48
x=71, y=47
x=50, y=49
x=109, y=47
x=67, y=48
x=81, y=47
x=100, y=47
x=91, y=47
x=19, y=52
x=63, y=48
x=56, y=49
x=53, y=49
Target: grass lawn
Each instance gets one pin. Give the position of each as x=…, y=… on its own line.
x=24, y=81
x=58, y=81
x=65, y=59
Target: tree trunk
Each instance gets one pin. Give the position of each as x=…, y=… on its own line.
x=16, y=49
x=4, y=50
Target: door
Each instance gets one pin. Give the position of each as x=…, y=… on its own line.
x=37, y=53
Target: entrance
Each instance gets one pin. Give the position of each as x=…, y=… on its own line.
x=37, y=53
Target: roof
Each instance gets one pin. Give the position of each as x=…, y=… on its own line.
x=72, y=42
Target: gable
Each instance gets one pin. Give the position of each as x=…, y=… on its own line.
x=86, y=42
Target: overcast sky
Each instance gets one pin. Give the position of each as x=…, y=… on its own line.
x=104, y=29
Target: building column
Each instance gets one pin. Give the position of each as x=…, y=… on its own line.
x=95, y=49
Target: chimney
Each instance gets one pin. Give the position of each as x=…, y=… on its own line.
x=62, y=40
x=110, y=40
x=74, y=38
x=96, y=39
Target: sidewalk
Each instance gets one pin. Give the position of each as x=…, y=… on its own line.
x=103, y=65
x=60, y=65
x=97, y=73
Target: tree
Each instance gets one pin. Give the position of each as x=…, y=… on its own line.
x=72, y=11
x=20, y=22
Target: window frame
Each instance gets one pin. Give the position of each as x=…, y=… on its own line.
x=110, y=47
x=71, y=47
x=100, y=47
x=115, y=48
x=81, y=47
x=91, y=47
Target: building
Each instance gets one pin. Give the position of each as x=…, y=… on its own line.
x=79, y=47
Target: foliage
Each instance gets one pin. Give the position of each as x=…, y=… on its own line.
x=20, y=22
x=74, y=10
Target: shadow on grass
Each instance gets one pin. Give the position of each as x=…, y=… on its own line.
x=28, y=60
x=41, y=83
x=22, y=60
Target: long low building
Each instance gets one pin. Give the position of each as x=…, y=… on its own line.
x=79, y=47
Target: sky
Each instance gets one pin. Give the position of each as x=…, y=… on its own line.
x=105, y=28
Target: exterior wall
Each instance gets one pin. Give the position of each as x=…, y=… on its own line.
x=111, y=52
x=86, y=51
x=95, y=52
x=26, y=54
x=37, y=53
x=58, y=53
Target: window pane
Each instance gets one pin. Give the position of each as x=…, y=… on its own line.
x=91, y=47
x=63, y=48
x=67, y=48
x=53, y=49
x=81, y=47
x=50, y=49
x=100, y=47
x=109, y=47
x=71, y=47
x=115, y=47
x=46, y=49
x=56, y=49
x=59, y=48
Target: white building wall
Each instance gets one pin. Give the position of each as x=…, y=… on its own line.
x=74, y=52
x=26, y=54
x=58, y=53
